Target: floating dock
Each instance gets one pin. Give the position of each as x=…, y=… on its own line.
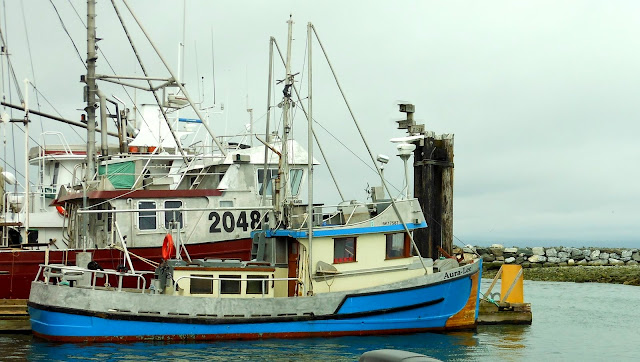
x=14, y=316
x=510, y=308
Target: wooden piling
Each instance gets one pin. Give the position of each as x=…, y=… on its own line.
x=433, y=187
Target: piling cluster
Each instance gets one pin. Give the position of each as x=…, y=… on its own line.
x=537, y=257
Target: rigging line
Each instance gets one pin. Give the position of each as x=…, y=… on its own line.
x=144, y=71
x=351, y=151
x=54, y=108
x=104, y=56
x=38, y=145
x=11, y=69
x=78, y=14
x=33, y=73
x=69, y=35
x=15, y=80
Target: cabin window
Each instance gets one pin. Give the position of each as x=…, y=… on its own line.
x=344, y=250
x=228, y=286
x=226, y=203
x=295, y=179
x=147, y=219
x=173, y=216
x=56, y=171
x=271, y=175
x=398, y=246
x=201, y=286
x=257, y=286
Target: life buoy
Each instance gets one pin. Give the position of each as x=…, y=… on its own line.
x=62, y=211
x=167, y=247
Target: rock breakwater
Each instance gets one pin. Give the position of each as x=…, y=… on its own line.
x=538, y=257
x=563, y=264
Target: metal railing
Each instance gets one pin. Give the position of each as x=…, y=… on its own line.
x=75, y=274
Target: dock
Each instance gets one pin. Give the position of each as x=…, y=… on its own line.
x=504, y=313
x=14, y=316
x=510, y=308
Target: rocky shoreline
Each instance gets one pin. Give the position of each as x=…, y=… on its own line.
x=624, y=274
x=580, y=265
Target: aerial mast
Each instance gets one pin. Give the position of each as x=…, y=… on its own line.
x=91, y=107
x=283, y=169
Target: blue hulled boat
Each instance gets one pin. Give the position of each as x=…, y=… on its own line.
x=364, y=281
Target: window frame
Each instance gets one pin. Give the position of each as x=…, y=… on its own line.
x=263, y=283
x=273, y=173
x=141, y=216
x=181, y=215
x=345, y=259
x=406, y=249
x=201, y=281
x=223, y=282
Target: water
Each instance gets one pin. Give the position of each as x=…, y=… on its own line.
x=571, y=322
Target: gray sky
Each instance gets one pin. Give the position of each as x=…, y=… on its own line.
x=541, y=95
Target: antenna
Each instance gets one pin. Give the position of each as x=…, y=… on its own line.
x=250, y=110
x=213, y=69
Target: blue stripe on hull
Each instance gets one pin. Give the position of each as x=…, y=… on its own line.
x=400, y=311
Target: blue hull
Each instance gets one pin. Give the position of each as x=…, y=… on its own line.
x=404, y=311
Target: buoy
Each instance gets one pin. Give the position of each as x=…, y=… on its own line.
x=167, y=247
x=62, y=211
x=133, y=149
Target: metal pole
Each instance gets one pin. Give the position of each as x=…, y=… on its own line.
x=304, y=110
x=283, y=170
x=310, y=158
x=25, y=238
x=104, y=148
x=266, y=134
x=55, y=118
x=91, y=112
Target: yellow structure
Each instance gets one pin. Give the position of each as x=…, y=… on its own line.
x=514, y=292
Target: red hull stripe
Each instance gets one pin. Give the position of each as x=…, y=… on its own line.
x=143, y=194
x=242, y=336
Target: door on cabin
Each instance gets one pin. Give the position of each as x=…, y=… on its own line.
x=294, y=253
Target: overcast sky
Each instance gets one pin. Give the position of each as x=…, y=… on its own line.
x=542, y=96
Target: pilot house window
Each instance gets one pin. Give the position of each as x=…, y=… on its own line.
x=294, y=181
x=344, y=250
x=398, y=246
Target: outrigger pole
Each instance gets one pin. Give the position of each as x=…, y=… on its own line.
x=373, y=160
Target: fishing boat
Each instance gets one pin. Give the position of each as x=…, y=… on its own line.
x=356, y=278
x=317, y=270
x=208, y=195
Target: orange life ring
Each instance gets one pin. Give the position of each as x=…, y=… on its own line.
x=167, y=247
x=62, y=211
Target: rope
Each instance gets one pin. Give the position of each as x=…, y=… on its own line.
x=69, y=35
x=143, y=259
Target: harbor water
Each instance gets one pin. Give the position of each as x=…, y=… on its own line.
x=571, y=322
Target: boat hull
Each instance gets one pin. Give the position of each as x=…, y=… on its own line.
x=439, y=305
x=18, y=268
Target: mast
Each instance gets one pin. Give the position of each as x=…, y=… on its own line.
x=310, y=154
x=283, y=169
x=90, y=109
x=25, y=238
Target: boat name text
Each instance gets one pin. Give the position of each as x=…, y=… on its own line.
x=465, y=270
